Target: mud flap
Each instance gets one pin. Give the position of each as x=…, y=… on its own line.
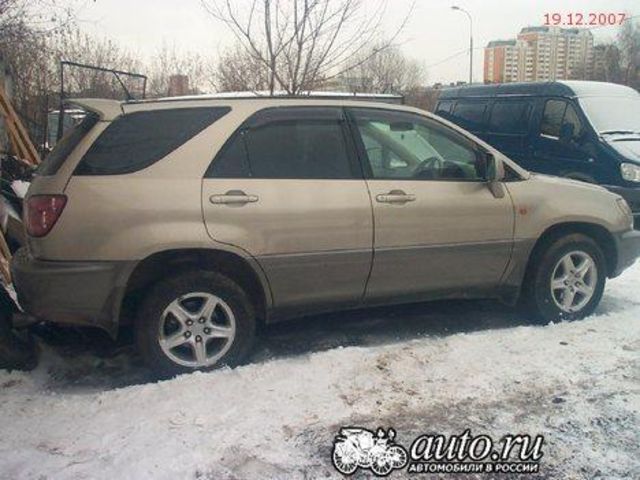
x=17, y=350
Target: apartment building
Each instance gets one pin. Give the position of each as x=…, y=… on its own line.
x=538, y=54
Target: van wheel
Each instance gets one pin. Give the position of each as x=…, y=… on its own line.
x=565, y=281
x=195, y=321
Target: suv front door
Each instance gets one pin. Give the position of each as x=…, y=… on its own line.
x=288, y=189
x=438, y=228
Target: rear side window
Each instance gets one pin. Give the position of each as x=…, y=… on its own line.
x=470, y=115
x=510, y=117
x=52, y=163
x=444, y=107
x=138, y=140
x=301, y=145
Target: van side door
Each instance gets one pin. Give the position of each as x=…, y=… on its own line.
x=564, y=145
x=508, y=128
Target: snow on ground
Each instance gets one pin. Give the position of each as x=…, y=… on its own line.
x=440, y=367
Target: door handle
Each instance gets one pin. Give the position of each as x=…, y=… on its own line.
x=395, y=196
x=233, y=197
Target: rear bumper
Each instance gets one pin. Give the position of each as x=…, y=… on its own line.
x=632, y=196
x=628, y=247
x=76, y=293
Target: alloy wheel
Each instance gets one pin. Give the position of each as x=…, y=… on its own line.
x=196, y=329
x=574, y=281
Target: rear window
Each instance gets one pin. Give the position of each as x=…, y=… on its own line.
x=470, y=115
x=510, y=117
x=52, y=163
x=138, y=140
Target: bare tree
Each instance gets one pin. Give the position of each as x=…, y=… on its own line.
x=629, y=44
x=102, y=52
x=20, y=19
x=387, y=70
x=169, y=61
x=303, y=43
x=239, y=70
x=607, y=64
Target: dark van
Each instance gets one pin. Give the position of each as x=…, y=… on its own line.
x=587, y=131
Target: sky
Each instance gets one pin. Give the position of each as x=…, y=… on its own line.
x=434, y=32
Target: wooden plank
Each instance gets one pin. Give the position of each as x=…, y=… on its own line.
x=5, y=259
x=26, y=150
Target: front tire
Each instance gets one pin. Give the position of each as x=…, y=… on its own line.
x=565, y=280
x=195, y=321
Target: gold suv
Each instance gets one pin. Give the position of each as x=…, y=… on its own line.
x=196, y=219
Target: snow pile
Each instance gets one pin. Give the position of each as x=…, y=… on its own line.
x=576, y=383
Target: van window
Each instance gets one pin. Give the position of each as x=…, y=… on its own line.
x=308, y=143
x=556, y=113
x=137, y=140
x=510, y=117
x=552, y=118
x=571, y=117
x=471, y=114
x=444, y=107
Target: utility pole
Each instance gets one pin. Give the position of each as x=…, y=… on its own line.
x=460, y=9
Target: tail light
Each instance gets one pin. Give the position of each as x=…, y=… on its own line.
x=42, y=213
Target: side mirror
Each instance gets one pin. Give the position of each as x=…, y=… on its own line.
x=494, y=169
x=494, y=175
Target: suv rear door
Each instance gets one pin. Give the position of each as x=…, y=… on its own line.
x=287, y=188
x=438, y=228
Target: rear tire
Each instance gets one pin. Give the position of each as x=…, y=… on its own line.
x=565, y=281
x=195, y=321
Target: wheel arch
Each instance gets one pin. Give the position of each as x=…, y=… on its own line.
x=599, y=234
x=245, y=271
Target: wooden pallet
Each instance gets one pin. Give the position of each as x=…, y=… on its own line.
x=26, y=152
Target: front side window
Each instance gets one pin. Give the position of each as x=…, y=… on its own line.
x=552, y=117
x=406, y=146
x=560, y=119
x=299, y=145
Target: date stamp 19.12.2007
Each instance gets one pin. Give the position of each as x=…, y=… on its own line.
x=578, y=19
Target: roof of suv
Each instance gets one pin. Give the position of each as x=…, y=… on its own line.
x=110, y=109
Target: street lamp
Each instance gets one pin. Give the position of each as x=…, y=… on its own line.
x=460, y=9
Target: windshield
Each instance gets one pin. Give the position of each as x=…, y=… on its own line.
x=613, y=114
